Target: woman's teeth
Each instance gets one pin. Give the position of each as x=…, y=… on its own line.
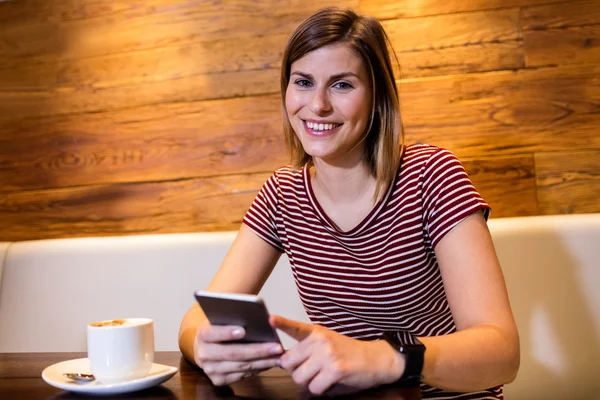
x=321, y=127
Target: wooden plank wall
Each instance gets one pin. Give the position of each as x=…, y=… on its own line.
x=122, y=117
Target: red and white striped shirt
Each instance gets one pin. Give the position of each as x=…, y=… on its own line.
x=382, y=275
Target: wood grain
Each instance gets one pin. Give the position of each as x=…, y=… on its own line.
x=562, y=15
x=168, y=62
x=75, y=100
x=44, y=11
x=465, y=43
x=500, y=113
x=459, y=43
x=563, y=46
x=122, y=117
x=148, y=143
x=136, y=208
x=507, y=184
x=104, y=29
x=388, y=9
x=562, y=34
x=204, y=204
x=20, y=378
x=568, y=182
x=526, y=111
x=219, y=69
x=473, y=115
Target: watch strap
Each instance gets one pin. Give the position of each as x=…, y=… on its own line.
x=414, y=354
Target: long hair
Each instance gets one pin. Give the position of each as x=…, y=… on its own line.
x=384, y=137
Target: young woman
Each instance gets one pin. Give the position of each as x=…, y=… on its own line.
x=388, y=243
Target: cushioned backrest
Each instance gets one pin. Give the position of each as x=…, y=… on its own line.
x=3, y=251
x=552, y=269
x=54, y=288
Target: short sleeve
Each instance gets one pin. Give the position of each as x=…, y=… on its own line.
x=261, y=217
x=448, y=195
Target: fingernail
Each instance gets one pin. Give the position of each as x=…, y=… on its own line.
x=237, y=333
x=276, y=349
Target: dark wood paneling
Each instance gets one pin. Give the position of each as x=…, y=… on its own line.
x=476, y=115
x=506, y=183
x=44, y=11
x=108, y=29
x=72, y=100
x=467, y=43
x=219, y=69
x=147, y=143
x=183, y=206
x=562, y=34
x=459, y=43
x=563, y=46
x=119, y=117
x=217, y=203
x=568, y=182
x=563, y=15
x=555, y=109
x=387, y=9
x=149, y=66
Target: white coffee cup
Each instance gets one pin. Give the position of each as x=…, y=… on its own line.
x=120, y=350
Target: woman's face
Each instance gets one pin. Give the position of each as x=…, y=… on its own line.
x=328, y=102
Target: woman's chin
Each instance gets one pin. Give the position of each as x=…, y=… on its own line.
x=321, y=155
x=316, y=151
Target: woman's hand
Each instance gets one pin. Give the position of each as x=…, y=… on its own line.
x=225, y=363
x=323, y=358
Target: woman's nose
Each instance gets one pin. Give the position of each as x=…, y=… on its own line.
x=320, y=103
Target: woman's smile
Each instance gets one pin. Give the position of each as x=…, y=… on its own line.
x=321, y=129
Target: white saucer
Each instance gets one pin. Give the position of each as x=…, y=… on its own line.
x=53, y=375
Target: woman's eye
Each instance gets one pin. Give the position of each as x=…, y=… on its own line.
x=303, y=83
x=343, y=85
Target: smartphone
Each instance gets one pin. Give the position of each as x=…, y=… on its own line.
x=245, y=310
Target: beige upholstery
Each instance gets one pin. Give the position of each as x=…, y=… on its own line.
x=552, y=270
x=3, y=250
x=52, y=289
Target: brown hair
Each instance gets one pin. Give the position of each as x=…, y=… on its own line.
x=365, y=36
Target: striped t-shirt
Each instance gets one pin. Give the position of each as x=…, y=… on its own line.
x=381, y=275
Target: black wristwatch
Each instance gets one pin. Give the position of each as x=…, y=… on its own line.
x=414, y=354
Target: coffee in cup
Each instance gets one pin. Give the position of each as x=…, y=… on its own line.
x=120, y=349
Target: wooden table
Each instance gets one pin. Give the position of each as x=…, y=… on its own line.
x=20, y=378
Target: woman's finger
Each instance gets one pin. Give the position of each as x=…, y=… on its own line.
x=237, y=352
x=322, y=382
x=295, y=356
x=226, y=379
x=230, y=367
x=218, y=334
x=296, y=329
x=306, y=372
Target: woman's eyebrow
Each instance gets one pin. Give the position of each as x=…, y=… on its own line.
x=302, y=74
x=332, y=78
x=344, y=75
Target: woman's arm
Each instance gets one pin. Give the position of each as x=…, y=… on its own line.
x=245, y=269
x=483, y=353
x=485, y=350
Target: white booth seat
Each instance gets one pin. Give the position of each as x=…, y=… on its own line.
x=3, y=250
x=53, y=288
x=552, y=269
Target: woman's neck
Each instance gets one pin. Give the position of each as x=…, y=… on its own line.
x=343, y=183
